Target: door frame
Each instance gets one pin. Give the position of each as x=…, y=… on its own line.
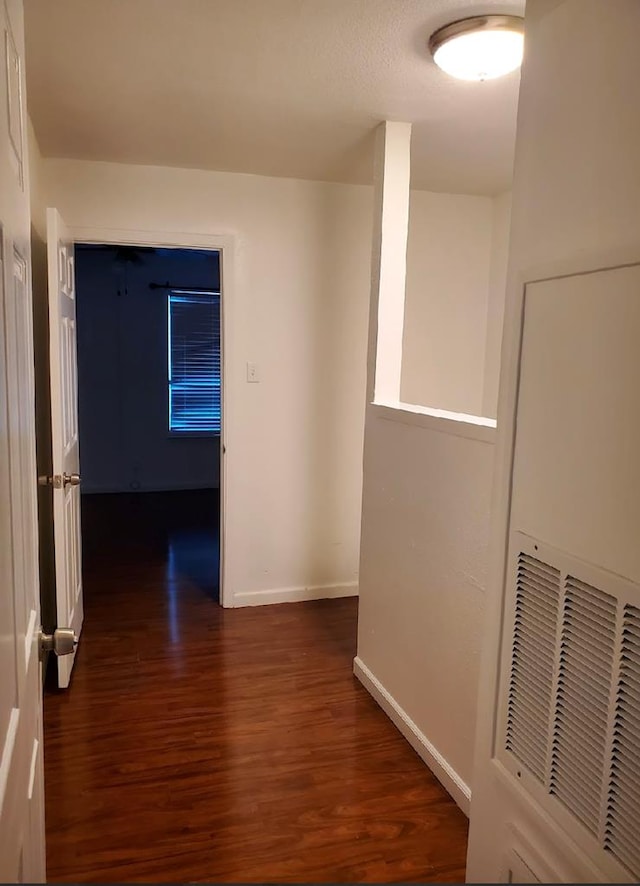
x=225, y=245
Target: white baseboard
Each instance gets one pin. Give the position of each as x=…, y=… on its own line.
x=295, y=595
x=443, y=771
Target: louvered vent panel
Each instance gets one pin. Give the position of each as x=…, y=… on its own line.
x=622, y=831
x=582, y=700
x=532, y=663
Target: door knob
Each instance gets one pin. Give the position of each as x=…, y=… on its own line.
x=71, y=479
x=63, y=641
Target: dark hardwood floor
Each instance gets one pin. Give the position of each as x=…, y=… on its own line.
x=200, y=744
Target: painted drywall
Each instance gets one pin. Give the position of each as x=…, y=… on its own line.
x=122, y=373
x=447, y=298
x=300, y=307
x=389, y=255
x=576, y=207
x=500, y=228
x=425, y=522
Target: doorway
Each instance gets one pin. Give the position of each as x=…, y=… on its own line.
x=149, y=408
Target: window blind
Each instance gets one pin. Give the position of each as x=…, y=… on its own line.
x=194, y=362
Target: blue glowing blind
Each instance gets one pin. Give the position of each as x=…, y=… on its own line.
x=194, y=362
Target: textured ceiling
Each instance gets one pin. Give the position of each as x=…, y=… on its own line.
x=274, y=87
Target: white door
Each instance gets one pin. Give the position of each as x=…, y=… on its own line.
x=64, y=433
x=21, y=772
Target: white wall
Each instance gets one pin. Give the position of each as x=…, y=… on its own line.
x=36, y=184
x=456, y=276
x=448, y=270
x=122, y=374
x=300, y=312
x=425, y=523
x=426, y=496
x=576, y=208
x=500, y=228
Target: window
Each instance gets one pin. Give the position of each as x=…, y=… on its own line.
x=194, y=362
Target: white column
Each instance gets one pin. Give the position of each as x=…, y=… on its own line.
x=389, y=260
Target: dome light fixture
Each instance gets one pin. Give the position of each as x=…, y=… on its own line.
x=479, y=48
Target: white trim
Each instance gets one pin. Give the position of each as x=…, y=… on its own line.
x=136, y=237
x=296, y=595
x=473, y=427
x=225, y=244
x=441, y=768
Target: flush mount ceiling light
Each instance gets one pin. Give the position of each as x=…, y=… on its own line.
x=479, y=48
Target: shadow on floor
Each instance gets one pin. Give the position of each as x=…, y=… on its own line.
x=182, y=528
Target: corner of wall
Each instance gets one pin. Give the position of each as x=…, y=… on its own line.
x=500, y=232
x=441, y=768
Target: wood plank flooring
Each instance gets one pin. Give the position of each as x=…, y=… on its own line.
x=205, y=745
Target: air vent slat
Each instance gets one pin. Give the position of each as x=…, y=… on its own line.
x=586, y=711
x=528, y=757
x=579, y=662
x=573, y=681
x=542, y=580
x=529, y=601
x=539, y=689
x=623, y=798
x=535, y=669
x=620, y=839
x=567, y=690
x=531, y=645
x=536, y=695
x=563, y=775
x=528, y=564
x=623, y=843
x=592, y=616
x=624, y=780
x=537, y=635
x=517, y=732
x=626, y=813
x=562, y=769
x=523, y=728
x=568, y=742
x=537, y=592
x=572, y=800
x=598, y=645
x=593, y=660
x=582, y=700
x=629, y=677
x=626, y=711
x=590, y=594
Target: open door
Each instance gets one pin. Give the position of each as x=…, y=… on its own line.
x=64, y=434
x=22, y=856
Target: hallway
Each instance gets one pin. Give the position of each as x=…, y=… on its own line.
x=202, y=744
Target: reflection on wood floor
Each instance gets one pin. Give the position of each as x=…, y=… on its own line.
x=202, y=744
